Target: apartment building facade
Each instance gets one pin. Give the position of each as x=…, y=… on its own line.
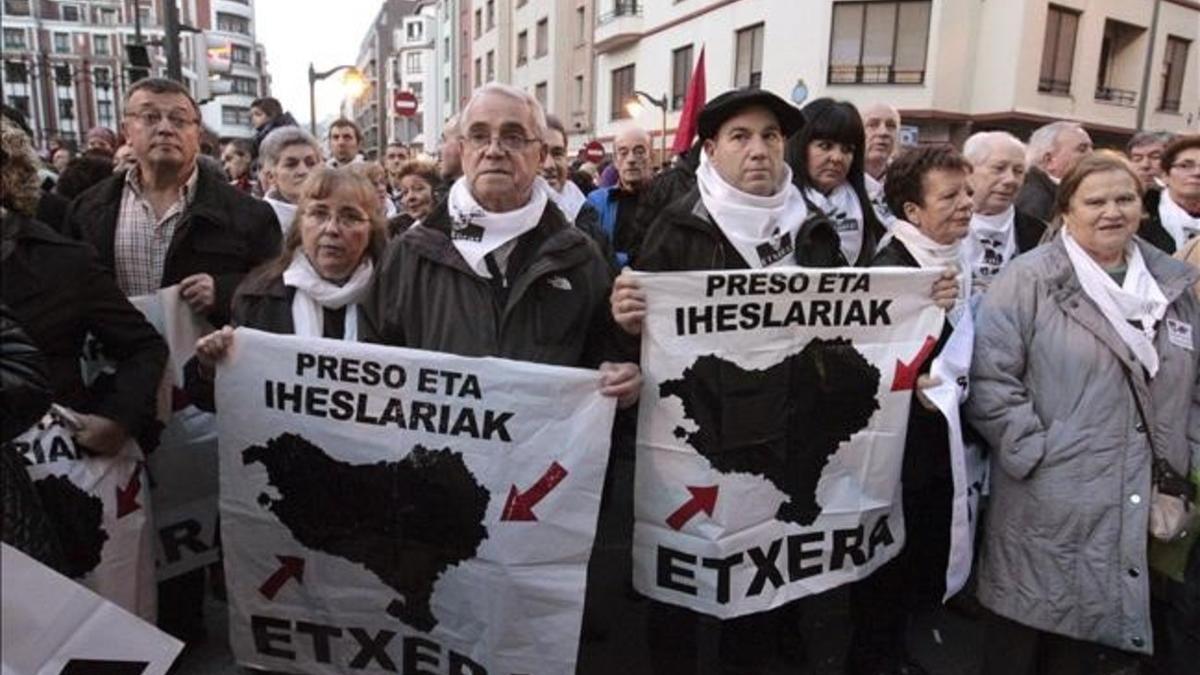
x=552, y=59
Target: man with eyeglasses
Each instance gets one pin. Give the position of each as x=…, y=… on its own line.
x=164, y=222
x=1173, y=213
x=618, y=204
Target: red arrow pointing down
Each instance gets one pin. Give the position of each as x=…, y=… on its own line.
x=289, y=567
x=127, y=496
x=906, y=373
x=703, y=499
x=519, y=505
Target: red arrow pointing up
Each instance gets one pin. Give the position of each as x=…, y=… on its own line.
x=127, y=496
x=520, y=504
x=289, y=567
x=906, y=373
x=703, y=499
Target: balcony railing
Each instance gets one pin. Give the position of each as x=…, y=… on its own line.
x=620, y=9
x=1123, y=97
x=1048, y=85
x=880, y=74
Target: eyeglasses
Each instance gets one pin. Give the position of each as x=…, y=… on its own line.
x=509, y=141
x=1187, y=167
x=151, y=118
x=346, y=217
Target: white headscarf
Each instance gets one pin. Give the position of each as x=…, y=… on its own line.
x=314, y=294
x=875, y=193
x=762, y=229
x=1180, y=224
x=930, y=254
x=285, y=211
x=1138, y=300
x=570, y=200
x=843, y=208
x=477, y=232
x=990, y=244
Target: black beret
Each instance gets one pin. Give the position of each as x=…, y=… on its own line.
x=732, y=102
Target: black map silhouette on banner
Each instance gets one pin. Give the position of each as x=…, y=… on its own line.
x=782, y=423
x=407, y=522
x=78, y=519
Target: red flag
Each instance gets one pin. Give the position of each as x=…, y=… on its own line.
x=689, y=118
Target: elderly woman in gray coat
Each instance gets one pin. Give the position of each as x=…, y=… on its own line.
x=1071, y=341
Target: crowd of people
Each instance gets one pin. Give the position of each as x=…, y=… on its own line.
x=1084, y=386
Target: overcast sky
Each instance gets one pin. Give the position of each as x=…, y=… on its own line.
x=326, y=33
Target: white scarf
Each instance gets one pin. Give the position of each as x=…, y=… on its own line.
x=285, y=211
x=1139, y=299
x=1180, y=224
x=843, y=208
x=930, y=254
x=569, y=201
x=476, y=232
x=875, y=192
x=990, y=244
x=762, y=229
x=314, y=293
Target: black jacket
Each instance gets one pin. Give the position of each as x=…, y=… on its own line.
x=224, y=233
x=59, y=293
x=1029, y=231
x=24, y=391
x=668, y=186
x=1036, y=196
x=552, y=307
x=1152, y=229
x=284, y=120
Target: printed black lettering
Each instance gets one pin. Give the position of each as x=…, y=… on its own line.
x=420, y=652
x=494, y=425
x=722, y=566
x=360, y=411
x=825, y=284
x=461, y=665
x=818, y=311
x=465, y=424
x=715, y=282
x=285, y=393
x=343, y=405
x=427, y=381
x=178, y=536
x=265, y=637
x=373, y=649
x=737, y=285
x=881, y=535
x=862, y=284
x=327, y=368
x=669, y=571
x=393, y=413
x=471, y=388
x=320, y=635
x=766, y=569
x=700, y=316
x=847, y=543
x=269, y=393
x=304, y=362
x=423, y=413
x=726, y=317
x=60, y=449
x=797, y=554
x=855, y=315
x=394, y=376
x=370, y=373
x=315, y=399
x=879, y=312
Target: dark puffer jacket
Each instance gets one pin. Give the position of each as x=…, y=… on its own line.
x=552, y=307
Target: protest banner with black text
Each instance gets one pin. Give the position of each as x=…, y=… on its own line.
x=771, y=430
x=395, y=510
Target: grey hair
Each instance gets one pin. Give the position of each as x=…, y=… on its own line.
x=1042, y=140
x=1148, y=138
x=980, y=146
x=513, y=93
x=283, y=137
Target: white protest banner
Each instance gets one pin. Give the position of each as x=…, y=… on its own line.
x=183, y=466
x=387, y=508
x=52, y=626
x=99, y=508
x=771, y=430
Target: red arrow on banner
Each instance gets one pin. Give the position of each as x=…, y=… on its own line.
x=520, y=504
x=703, y=499
x=127, y=496
x=289, y=567
x=906, y=373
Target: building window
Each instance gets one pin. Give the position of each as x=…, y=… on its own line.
x=478, y=22
x=1058, y=51
x=106, y=16
x=478, y=72
x=244, y=85
x=235, y=116
x=102, y=77
x=62, y=43
x=232, y=23
x=20, y=103
x=16, y=72
x=144, y=14
x=522, y=47
x=491, y=65
x=879, y=42
x=748, y=67
x=578, y=92
x=540, y=93
x=104, y=113
x=491, y=14
x=69, y=12
x=240, y=54
x=681, y=75
x=622, y=92
x=412, y=63
x=66, y=109
x=581, y=27
x=446, y=89
x=62, y=76
x=14, y=38
x=1174, y=66
x=100, y=45
x=16, y=7
x=417, y=89
x=541, y=43
x=414, y=31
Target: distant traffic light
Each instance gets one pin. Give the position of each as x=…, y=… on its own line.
x=217, y=59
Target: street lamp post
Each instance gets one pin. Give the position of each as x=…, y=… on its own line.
x=313, y=76
x=661, y=104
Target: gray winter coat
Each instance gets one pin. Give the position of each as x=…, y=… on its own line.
x=1065, y=538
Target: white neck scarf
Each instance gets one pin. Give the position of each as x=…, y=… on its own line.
x=1139, y=299
x=476, y=232
x=1180, y=224
x=314, y=293
x=762, y=229
x=875, y=192
x=285, y=211
x=843, y=208
x=990, y=244
x=928, y=253
x=569, y=201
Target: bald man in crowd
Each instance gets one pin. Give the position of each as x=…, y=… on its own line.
x=617, y=205
x=882, y=124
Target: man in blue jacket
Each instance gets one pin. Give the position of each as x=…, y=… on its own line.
x=617, y=205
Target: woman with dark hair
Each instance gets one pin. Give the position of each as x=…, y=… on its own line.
x=826, y=157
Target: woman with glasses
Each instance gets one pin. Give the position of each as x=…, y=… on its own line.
x=314, y=287
x=1173, y=213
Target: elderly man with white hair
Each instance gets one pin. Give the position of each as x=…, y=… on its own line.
x=1053, y=150
x=881, y=122
x=495, y=269
x=999, y=230
x=287, y=155
x=618, y=204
